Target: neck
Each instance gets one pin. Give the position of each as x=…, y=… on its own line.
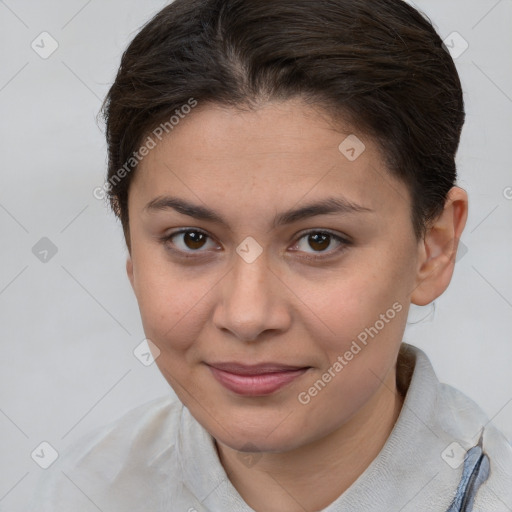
x=311, y=477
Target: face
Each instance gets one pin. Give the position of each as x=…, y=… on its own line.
x=225, y=272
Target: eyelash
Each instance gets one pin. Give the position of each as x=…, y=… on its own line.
x=344, y=243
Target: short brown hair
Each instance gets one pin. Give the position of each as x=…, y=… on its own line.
x=377, y=64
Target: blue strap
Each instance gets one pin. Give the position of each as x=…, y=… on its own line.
x=475, y=472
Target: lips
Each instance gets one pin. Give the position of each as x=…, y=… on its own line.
x=255, y=380
x=254, y=369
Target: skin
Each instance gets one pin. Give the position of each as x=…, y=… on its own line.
x=249, y=166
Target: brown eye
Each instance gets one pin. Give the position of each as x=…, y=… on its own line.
x=194, y=239
x=187, y=241
x=319, y=241
x=318, y=244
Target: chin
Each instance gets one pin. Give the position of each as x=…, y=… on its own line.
x=262, y=438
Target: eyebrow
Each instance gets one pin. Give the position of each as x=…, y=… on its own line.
x=329, y=205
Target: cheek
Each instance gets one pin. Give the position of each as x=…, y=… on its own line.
x=356, y=300
x=365, y=311
x=171, y=304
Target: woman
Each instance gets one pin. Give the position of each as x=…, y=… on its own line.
x=284, y=172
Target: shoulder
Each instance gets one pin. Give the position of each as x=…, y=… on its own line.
x=114, y=459
x=465, y=421
x=458, y=424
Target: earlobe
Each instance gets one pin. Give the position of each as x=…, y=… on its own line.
x=439, y=249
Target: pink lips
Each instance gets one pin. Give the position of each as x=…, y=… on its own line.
x=255, y=380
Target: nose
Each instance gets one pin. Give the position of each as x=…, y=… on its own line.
x=252, y=301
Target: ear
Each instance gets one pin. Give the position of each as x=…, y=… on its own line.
x=438, y=249
x=129, y=270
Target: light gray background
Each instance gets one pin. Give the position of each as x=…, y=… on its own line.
x=69, y=326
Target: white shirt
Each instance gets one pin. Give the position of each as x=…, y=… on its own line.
x=158, y=458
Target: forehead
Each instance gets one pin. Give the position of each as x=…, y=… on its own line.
x=276, y=155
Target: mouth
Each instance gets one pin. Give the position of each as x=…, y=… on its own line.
x=255, y=380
